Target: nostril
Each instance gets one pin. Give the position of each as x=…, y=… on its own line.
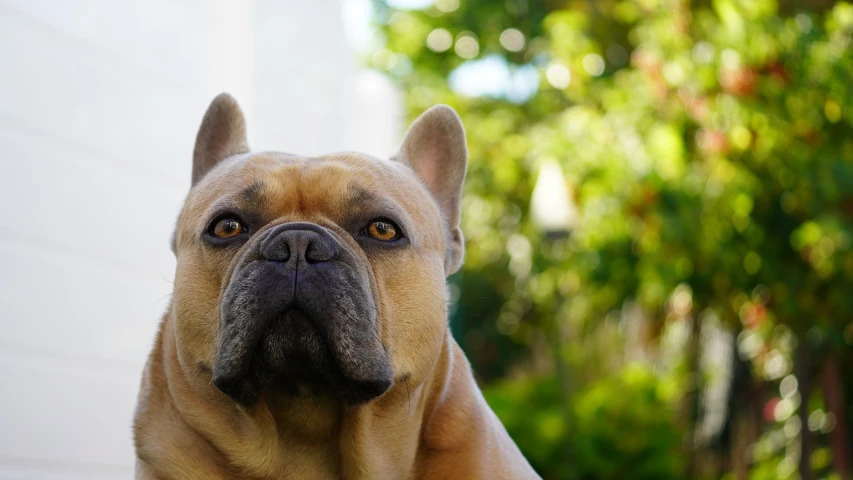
x=319, y=250
x=276, y=251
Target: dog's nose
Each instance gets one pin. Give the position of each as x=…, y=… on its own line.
x=292, y=242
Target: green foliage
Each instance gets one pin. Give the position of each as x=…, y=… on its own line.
x=626, y=428
x=624, y=425
x=540, y=431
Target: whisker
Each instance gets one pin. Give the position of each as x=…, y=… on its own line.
x=409, y=394
x=198, y=368
x=160, y=299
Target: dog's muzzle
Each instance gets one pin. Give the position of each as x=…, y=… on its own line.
x=298, y=310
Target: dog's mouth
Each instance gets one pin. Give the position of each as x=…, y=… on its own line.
x=292, y=358
x=300, y=312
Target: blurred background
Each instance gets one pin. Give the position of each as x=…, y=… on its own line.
x=658, y=214
x=658, y=211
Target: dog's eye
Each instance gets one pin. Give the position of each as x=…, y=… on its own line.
x=383, y=230
x=227, y=228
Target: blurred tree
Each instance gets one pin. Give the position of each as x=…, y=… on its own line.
x=710, y=148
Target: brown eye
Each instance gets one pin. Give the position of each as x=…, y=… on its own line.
x=227, y=228
x=382, y=230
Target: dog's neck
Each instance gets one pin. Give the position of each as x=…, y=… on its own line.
x=315, y=436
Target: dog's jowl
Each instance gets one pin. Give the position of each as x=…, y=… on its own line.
x=307, y=336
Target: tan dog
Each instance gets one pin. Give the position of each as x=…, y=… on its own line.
x=307, y=335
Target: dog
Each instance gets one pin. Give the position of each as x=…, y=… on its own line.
x=307, y=335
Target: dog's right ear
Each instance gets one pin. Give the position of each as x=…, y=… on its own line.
x=435, y=148
x=221, y=135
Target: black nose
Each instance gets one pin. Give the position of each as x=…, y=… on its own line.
x=299, y=242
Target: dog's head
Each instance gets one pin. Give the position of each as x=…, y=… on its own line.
x=328, y=272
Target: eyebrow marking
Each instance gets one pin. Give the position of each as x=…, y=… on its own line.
x=360, y=196
x=253, y=193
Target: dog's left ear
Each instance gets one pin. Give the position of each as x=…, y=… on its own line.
x=221, y=135
x=434, y=147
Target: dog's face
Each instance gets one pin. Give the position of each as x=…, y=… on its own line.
x=306, y=274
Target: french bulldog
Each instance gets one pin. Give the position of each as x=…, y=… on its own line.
x=307, y=335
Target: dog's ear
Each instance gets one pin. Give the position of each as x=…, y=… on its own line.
x=434, y=147
x=221, y=135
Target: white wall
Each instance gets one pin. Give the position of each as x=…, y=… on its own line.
x=99, y=105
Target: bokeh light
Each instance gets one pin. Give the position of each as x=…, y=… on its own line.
x=439, y=40
x=467, y=46
x=512, y=39
x=558, y=75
